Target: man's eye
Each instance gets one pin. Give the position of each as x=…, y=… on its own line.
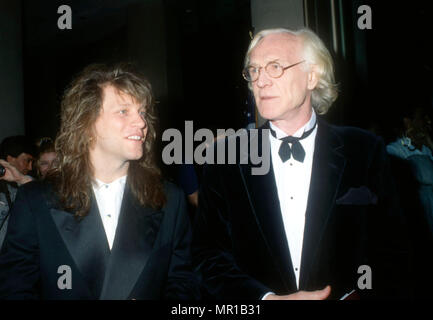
x=123, y=111
x=253, y=70
x=275, y=66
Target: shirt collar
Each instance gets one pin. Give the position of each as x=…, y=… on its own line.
x=98, y=184
x=281, y=134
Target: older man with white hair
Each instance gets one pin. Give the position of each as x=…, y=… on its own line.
x=313, y=226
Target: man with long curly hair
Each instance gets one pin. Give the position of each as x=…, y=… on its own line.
x=103, y=224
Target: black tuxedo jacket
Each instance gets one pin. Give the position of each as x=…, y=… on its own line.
x=150, y=257
x=239, y=243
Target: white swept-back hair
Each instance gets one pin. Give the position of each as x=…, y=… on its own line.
x=314, y=52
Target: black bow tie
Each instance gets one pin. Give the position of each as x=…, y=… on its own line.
x=296, y=150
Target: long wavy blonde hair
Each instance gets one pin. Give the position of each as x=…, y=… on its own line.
x=80, y=107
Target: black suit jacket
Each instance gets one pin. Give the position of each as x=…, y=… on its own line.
x=150, y=257
x=239, y=242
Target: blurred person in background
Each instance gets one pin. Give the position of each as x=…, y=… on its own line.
x=411, y=161
x=46, y=158
x=16, y=158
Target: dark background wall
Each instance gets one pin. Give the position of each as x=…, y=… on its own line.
x=381, y=71
x=192, y=52
x=11, y=74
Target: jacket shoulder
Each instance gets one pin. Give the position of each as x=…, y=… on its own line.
x=355, y=133
x=39, y=191
x=172, y=191
x=353, y=137
x=34, y=187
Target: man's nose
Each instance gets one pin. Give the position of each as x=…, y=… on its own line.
x=264, y=79
x=139, y=121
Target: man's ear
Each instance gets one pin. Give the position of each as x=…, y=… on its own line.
x=313, y=77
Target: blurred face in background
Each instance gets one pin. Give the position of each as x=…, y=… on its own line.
x=46, y=162
x=418, y=128
x=23, y=162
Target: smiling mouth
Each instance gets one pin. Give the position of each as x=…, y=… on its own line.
x=136, y=138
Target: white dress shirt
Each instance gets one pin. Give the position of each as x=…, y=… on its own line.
x=109, y=199
x=293, y=184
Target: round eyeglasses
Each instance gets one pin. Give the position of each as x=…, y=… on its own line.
x=273, y=69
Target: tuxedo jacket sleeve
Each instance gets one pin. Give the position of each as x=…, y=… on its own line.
x=223, y=276
x=19, y=273
x=150, y=257
x=181, y=281
x=216, y=245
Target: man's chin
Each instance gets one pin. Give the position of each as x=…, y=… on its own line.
x=268, y=116
x=268, y=112
x=135, y=157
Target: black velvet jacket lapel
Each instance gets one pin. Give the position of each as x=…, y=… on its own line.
x=328, y=166
x=86, y=242
x=263, y=196
x=327, y=170
x=135, y=236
